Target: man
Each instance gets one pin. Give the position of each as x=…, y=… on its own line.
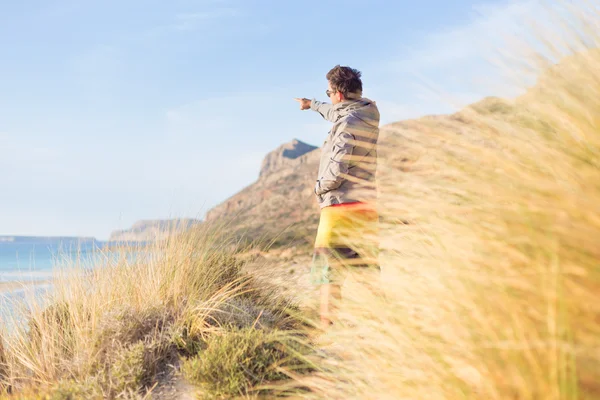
x=345, y=188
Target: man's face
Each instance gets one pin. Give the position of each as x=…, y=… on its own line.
x=334, y=95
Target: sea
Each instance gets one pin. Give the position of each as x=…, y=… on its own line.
x=31, y=259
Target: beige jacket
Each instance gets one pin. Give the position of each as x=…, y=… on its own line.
x=349, y=154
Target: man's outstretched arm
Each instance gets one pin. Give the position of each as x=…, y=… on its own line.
x=325, y=109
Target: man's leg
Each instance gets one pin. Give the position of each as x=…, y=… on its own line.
x=331, y=291
x=331, y=295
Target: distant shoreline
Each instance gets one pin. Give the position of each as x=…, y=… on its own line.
x=45, y=239
x=9, y=286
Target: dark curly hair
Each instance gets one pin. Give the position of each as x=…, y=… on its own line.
x=345, y=80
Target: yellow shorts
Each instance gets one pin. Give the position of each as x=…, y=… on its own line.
x=347, y=238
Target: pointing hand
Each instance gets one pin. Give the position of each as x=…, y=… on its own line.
x=304, y=103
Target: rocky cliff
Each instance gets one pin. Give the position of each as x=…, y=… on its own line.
x=280, y=177
x=285, y=156
x=281, y=203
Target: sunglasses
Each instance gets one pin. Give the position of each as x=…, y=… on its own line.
x=330, y=92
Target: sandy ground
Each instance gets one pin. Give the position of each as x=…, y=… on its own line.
x=288, y=270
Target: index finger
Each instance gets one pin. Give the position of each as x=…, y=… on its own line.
x=298, y=99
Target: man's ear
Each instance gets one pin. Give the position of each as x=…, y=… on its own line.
x=340, y=96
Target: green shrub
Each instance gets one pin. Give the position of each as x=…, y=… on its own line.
x=236, y=362
x=132, y=349
x=72, y=390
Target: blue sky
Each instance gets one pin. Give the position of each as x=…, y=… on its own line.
x=115, y=111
